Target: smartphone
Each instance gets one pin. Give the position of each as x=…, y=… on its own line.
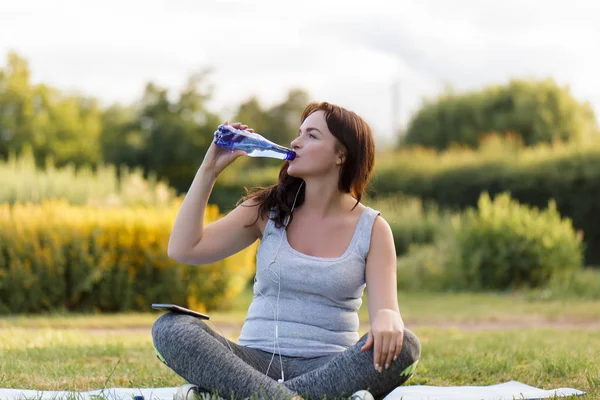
x=178, y=309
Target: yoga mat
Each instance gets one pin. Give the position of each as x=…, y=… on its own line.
x=504, y=391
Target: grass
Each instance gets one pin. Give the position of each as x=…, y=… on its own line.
x=419, y=307
x=61, y=352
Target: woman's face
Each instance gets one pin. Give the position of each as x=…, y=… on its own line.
x=315, y=148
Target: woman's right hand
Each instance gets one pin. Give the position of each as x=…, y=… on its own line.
x=217, y=159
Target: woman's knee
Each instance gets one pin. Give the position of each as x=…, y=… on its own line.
x=170, y=325
x=409, y=357
x=411, y=345
x=163, y=324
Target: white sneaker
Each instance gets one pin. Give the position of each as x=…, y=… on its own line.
x=362, y=395
x=190, y=392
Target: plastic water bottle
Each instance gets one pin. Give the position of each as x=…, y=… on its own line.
x=230, y=138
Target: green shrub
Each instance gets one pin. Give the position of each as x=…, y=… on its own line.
x=231, y=183
x=503, y=244
x=55, y=257
x=411, y=221
x=567, y=173
x=424, y=268
x=22, y=182
x=536, y=111
x=581, y=284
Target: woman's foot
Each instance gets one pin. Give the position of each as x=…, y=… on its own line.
x=362, y=395
x=191, y=392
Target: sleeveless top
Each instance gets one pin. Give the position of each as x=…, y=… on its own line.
x=318, y=297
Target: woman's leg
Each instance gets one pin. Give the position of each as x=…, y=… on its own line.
x=353, y=370
x=201, y=356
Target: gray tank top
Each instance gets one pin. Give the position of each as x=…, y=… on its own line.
x=318, y=297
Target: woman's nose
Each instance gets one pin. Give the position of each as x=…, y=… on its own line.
x=295, y=143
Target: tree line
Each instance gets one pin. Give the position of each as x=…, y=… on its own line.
x=162, y=135
x=170, y=136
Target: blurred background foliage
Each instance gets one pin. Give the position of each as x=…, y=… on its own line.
x=494, y=189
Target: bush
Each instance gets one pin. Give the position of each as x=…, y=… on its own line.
x=536, y=111
x=582, y=284
x=411, y=221
x=231, y=183
x=424, y=268
x=56, y=257
x=568, y=174
x=22, y=182
x=503, y=244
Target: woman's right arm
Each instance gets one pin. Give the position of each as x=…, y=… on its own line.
x=192, y=243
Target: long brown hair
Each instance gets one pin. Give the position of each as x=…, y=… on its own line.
x=356, y=140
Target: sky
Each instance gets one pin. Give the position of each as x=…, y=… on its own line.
x=377, y=58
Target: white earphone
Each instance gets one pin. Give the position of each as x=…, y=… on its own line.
x=276, y=308
x=277, y=275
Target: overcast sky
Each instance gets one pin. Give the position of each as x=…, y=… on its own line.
x=344, y=52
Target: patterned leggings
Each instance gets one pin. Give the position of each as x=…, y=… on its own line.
x=202, y=357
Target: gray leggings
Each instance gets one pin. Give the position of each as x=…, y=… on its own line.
x=201, y=356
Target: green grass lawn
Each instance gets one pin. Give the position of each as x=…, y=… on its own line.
x=86, y=352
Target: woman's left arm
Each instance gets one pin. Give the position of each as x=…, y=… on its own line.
x=387, y=328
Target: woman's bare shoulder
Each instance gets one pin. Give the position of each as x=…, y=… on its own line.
x=259, y=219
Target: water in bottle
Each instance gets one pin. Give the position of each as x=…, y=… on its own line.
x=255, y=145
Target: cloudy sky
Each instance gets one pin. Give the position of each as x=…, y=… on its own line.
x=346, y=52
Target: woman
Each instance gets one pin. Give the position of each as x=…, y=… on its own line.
x=319, y=248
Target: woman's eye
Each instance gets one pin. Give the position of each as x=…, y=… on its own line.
x=310, y=135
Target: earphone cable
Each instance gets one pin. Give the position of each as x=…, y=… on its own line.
x=276, y=347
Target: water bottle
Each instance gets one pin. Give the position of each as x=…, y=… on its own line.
x=230, y=138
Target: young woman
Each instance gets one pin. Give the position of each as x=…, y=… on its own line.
x=319, y=248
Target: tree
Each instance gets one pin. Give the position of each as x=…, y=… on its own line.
x=279, y=123
x=160, y=135
x=535, y=111
x=64, y=126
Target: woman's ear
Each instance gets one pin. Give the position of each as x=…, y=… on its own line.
x=340, y=153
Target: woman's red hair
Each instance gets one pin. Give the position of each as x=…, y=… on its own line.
x=355, y=139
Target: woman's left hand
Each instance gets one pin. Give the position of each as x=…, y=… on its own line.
x=386, y=337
